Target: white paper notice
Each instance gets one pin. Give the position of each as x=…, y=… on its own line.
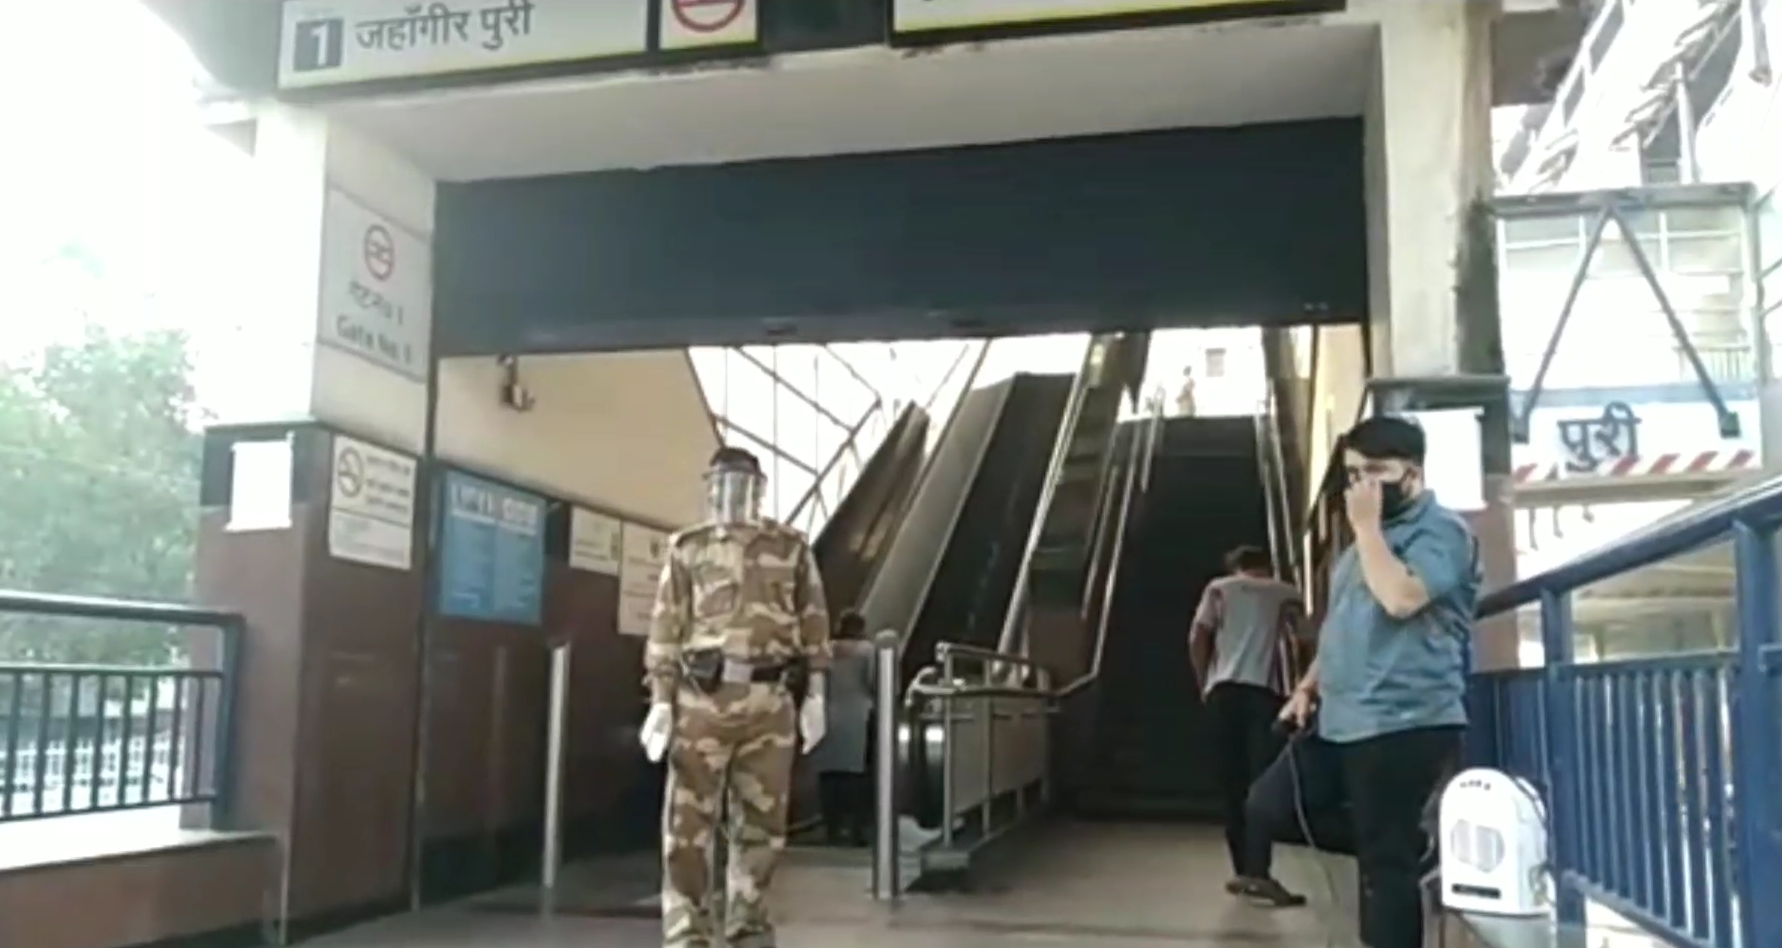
x=1454, y=459
x=260, y=486
x=596, y=543
x=644, y=551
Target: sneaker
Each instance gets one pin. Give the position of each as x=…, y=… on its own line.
x=1269, y=892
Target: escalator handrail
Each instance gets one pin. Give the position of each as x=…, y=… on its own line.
x=1279, y=457
x=1067, y=430
x=1260, y=431
x=1112, y=578
x=922, y=475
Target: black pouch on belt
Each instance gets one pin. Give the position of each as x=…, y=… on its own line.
x=798, y=679
x=704, y=669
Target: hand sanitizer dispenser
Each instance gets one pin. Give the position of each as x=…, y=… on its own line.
x=1493, y=845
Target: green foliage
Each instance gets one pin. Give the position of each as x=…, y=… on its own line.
x=98, y=490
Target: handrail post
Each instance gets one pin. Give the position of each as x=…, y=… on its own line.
x=1756, y=737
x=886, y=851
x=557, y=721
x=234, y=639
x=1067, y=430
x=1560, y=760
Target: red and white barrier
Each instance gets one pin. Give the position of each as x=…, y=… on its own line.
x=1670, y=464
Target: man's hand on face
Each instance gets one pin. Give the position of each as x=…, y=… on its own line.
x=1363, y=502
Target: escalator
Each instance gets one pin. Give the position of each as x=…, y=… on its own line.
x=1149, y=757
x=854, y=539
x=969, y=592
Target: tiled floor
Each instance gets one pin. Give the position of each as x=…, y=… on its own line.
x=1082, y=886
x=1096, y=886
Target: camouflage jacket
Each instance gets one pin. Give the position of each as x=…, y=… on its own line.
x=751, y=592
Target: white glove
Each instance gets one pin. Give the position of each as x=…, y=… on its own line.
x=813, y=720
x=654, y=734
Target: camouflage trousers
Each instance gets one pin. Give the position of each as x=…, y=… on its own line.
x=738, y=741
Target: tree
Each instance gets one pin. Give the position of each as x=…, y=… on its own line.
x=99, y=457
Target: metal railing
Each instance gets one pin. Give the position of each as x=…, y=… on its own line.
x=1088, y=376
x=970, y=755
x=80, y=737
x=1271, y=469
x=1136, y=480
x=1659, y=773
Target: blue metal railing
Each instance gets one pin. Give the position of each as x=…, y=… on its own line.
x=79, y=737
x=1661, y=774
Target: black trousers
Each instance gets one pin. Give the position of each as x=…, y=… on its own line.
x=1243, y=720
x=1386, y=782
x=846, y=802
x=846, y=799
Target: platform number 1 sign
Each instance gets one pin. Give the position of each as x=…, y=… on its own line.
x=319, y=45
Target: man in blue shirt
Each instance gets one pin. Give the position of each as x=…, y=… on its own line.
x=1382, y=706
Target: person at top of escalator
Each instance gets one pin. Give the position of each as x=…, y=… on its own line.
x=1244, y=644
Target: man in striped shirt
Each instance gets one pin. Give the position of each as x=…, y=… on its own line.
x=1245, y=646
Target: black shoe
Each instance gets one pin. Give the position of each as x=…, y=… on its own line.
x=1267, y=891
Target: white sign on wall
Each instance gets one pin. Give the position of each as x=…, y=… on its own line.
x=377, y=288
x=336, y=42
x=692, y=24
x=371, y=505
x=645, y=550
x=260, y=485
x=909, y=16
x=1454, y=456
x=595, y=542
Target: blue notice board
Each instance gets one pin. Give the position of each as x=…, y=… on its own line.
x=491, y=551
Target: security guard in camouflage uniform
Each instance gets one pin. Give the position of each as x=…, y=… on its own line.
x=739, y=629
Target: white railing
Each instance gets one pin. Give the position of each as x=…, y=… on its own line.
x=119, y=777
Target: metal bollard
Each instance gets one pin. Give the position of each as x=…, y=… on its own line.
x=885, y=845
x=555, y=725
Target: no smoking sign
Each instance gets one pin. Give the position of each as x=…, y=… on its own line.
x=688, y=24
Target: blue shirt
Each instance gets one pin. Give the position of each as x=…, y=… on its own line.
x=1379, y=675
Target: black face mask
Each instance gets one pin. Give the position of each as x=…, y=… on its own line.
x=1392, y=499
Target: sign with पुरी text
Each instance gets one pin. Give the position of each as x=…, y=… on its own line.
x=596, y=543
x=491, y=551
x=371, y=505
x=338, y=42
x=645, y=553
x=913, y=16
x=377, y=288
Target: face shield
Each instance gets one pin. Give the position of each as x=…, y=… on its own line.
x=733, y=494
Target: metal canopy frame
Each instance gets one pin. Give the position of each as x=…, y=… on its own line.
x=1610, y=207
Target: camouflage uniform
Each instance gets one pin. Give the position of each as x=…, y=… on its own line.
x=752, y=592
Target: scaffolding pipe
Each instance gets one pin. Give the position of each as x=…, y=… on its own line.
x=1520, y=429
x=1729, y=422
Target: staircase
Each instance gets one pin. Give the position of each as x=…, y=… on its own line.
x=1205, y=497
x=1056, y=631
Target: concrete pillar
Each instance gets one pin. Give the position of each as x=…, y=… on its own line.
x=325, y=201
x=1434, y=334
x=395, y=673
x=320, y=540
x=1429, y=168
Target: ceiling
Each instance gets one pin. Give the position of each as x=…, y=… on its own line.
x=881, y=99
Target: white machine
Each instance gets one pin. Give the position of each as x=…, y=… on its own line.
x=1493, y=845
